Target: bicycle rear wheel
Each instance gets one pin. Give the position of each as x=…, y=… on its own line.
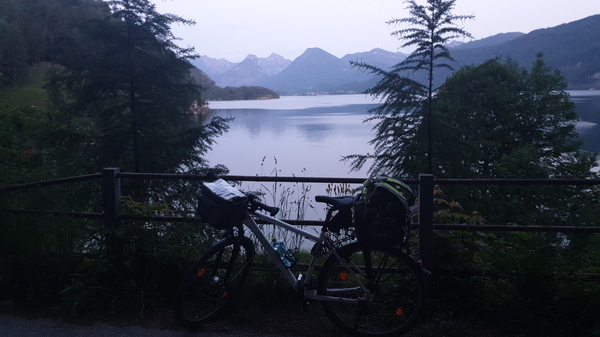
x=213, y=282
x=396, y=290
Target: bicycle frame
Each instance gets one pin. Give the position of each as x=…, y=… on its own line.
x=289, y=276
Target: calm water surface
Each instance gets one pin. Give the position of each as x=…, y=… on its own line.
x=295, y=135
x=308, y=135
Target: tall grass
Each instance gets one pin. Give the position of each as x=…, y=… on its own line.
x=292, y=199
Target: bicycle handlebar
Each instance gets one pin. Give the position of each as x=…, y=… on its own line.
x=254, y=204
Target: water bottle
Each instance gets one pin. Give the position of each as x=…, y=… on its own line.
x=281, y=249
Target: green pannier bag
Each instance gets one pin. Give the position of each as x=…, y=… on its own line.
x=382, y=210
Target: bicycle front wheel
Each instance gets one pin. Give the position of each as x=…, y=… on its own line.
x=376, y=291
x=213, y=282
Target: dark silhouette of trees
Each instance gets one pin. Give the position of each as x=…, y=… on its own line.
x=131, y=84
x=407, y=103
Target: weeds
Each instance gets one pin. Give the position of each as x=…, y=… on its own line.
x=543, y=283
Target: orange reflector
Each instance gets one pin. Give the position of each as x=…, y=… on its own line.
x=399, y=312
x=224, y=296
x=343, y=275
x=201, y=272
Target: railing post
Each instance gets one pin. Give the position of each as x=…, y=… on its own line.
x=426, y=220
x=111, y=198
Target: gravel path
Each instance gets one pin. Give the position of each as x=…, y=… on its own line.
x=12, y=326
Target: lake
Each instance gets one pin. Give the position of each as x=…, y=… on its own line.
x=293, y=135
x=308, y=135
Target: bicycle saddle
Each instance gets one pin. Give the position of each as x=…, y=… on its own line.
x=337, y=202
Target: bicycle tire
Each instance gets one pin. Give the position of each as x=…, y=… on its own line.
x=213, y=281
x=394, y=279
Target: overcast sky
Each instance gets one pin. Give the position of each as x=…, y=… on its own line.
x=232, y=29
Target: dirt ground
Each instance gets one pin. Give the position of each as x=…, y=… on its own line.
x=278, y=320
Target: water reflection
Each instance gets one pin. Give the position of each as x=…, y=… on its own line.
x=314, y=132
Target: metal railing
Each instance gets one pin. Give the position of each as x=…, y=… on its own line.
x=111, y=191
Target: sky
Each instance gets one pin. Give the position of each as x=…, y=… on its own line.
x=232, y=29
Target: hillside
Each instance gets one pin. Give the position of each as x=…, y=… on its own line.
x=314, y=71
x=571, y=48
x=31, y=91
x=217, y=93
x=489, y=41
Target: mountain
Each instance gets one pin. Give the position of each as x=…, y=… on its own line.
x=215, y=93
x=485, y=42
x=454, y=44
x=314, y=71
x=212, y=66
x=572, y=48
x=273, y=64
x=376, y=57
x=247, y=72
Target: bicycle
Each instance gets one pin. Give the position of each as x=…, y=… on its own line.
x=366, y=288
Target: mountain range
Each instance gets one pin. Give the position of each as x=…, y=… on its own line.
x=573, y=48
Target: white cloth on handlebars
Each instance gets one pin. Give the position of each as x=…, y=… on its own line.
x=225, y=191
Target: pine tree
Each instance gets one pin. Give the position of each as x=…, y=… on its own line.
x=407, y=101
x=128, y=77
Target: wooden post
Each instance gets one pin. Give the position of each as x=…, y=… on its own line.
x=426, y=220
x=111, y=198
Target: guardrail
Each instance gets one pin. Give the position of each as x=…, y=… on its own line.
x=111, y=191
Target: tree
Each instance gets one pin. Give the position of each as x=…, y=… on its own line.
x=128, y=77
x=13, y=53
x=407, y=102
x=45, y=24
x=498, y=120
x=508, y=122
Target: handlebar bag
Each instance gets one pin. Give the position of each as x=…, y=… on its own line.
x=221, y=205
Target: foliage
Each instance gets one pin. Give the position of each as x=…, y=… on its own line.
x=534, y=282
x=23, y=153
x=216, y=93
x=38, y=27
x=406, y=113
x=136, y=93
x=451, y=212
x=12, y=53
x=510, y=122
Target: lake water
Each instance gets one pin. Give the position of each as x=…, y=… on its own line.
x=308, y=135
x=293, y=135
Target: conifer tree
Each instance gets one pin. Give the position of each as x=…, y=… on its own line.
x=402, y=145
x=126, y=75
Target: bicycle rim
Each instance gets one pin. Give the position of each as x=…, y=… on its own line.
x=396, y=290
x=213, y=282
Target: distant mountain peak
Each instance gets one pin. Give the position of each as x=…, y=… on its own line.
x=489, y=41
x=454, y=44
x=251, y=57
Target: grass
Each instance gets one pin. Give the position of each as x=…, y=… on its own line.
x=31, y=92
